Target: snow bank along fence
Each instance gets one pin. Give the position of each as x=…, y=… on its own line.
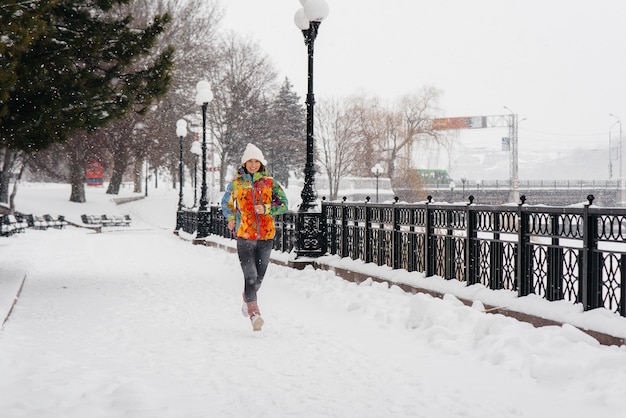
x=577, y=254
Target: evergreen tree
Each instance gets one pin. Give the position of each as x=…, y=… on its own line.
x=286, y=143
x=21, y=23
x=241, y=79
x=78, y=74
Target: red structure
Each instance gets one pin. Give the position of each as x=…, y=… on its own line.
x=94, y=173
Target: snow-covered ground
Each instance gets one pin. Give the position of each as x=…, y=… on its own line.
x=135, y=322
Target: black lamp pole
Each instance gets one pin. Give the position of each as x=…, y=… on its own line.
x=203, y=227
x=203, y=97
x=195, y=180
x=309, y=194
x=377, y=176
x=180, y=175
x=181, y=131
x=310, y=223
x=377, y=170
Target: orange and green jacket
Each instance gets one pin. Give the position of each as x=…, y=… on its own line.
x=245, y=191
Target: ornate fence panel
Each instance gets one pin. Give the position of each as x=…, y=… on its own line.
x=606, y=255
x=577, y=254
x=493, y=233
x=410, y=238
x=380, y=234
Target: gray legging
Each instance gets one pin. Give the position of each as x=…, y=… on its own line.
x=253, y=256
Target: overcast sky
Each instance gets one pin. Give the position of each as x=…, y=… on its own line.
x=557, y=63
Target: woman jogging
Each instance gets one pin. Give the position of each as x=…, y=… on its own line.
x=250, y=202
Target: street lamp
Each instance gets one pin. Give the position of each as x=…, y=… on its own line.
x=309, y=225
x=147, y=167
x=196, y=149
x=377, y=170
x=619, y=148
x=514, y=154
x=308, y=20
x=181, y=132
x=203, y=97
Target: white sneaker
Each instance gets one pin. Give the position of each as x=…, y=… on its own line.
x=257, y=323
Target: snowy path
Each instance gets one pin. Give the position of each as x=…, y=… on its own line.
x=142, y=324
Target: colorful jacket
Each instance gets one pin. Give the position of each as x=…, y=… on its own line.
x=245, y=191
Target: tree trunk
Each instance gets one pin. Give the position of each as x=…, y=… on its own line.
x=5, y=173
x=77, y=175
x=14, y=191
x=223, y=170
x=120, y=162
x=137, y=176
x=116, y=180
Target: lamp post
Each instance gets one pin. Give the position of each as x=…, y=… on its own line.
x=147, y=167
x=310, y=224
x=619, y=147
x=514, y=156
x=181, y=132
x=196, y=150
x=377, y=170
x=203, y=97
x=610, y=156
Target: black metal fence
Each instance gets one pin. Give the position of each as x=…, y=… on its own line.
x=577, y=254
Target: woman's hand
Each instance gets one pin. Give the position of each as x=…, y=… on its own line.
x=231, y=225
x=260, y=209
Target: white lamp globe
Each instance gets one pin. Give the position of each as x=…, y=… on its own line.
x=196, y=149
x=181, y=127
x=301, y=20
x=203, y=92
x=377, y=170
x=316, y=10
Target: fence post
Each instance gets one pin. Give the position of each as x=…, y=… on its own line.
x=495, y=254
x=470, y=246
x=429, y=250
x=395, y=235
x=622, y=299
x=367, y=236
x=591, y=292
x=449, y=246
x=524, y=259
x=554, y=283
x=344, y=230
x=328, y=226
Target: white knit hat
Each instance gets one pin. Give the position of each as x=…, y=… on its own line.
x=252, y=152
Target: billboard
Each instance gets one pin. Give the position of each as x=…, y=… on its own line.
x=462, y=122
x=94, y=173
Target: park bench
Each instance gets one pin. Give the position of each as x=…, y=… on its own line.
x=10, y=224
x=45, y=221
x=6, y=228
x=106, y=220
x=18, y=221
x=37, y=222
x=117, y=220
x=91, y=220
x=58, y=223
